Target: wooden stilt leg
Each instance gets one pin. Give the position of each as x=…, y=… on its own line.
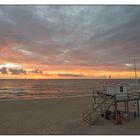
x=124, y=106
x=138, y=107
x=101, y=110
x=83, y=116
x=127, y=110
x=90, y=118
x=115, y=111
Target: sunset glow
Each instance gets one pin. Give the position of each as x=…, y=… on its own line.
x=10, y=65
x=81, y=42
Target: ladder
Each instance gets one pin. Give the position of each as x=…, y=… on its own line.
x=93, y=114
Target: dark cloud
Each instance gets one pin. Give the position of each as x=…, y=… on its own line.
x=17, y=71
x=71, y=35
x=70, y=75
x=4, y=70
x=37, y=72
x=14, y=71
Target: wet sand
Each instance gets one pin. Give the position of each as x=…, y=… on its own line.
x=57, y=116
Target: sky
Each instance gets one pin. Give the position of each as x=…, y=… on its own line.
x=69, y=41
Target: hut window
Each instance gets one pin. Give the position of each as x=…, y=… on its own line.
x=121, y=88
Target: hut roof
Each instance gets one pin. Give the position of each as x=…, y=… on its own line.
x=112, y=83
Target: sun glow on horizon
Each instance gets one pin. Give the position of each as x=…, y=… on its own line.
x=10, y=65
x=67, y=74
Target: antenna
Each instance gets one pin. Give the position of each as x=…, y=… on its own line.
x=135, y=73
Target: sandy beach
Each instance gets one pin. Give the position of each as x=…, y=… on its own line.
x=56, y=116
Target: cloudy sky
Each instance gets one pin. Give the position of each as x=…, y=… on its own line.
x=69, y=41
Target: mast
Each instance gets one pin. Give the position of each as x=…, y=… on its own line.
x=135, y=69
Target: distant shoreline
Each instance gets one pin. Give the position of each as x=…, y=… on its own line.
x=30, y=89
x=47, y=98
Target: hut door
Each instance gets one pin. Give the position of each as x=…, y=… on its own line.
x=121, y=88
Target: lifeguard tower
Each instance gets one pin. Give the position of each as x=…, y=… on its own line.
x=111, y=94
x=118, y=89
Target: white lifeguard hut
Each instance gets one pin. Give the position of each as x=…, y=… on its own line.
x=118, y=89
x=111, y=94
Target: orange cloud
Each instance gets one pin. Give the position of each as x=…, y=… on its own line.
x=30, y=65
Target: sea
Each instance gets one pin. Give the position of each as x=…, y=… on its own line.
x=13, y=89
